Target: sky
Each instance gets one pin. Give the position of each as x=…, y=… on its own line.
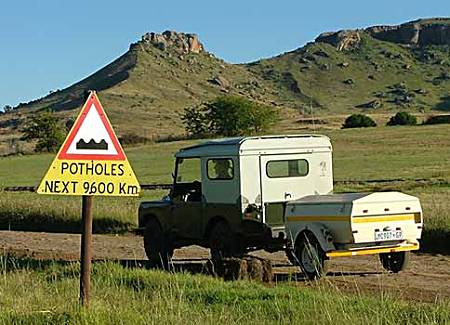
x=51, y=44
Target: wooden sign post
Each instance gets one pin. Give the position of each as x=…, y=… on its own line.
x=86, y=249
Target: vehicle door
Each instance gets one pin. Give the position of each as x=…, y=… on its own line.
x=221, y=189
x=187, y=205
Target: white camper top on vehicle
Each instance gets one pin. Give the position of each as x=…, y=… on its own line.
x=270, y=144
x=264, y=169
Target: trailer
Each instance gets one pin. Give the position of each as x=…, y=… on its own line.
x=338, y=225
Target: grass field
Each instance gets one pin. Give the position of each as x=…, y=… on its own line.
x=34, y=292
x=359, y=154
x=381, y=153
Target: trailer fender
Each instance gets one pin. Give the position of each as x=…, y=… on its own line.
x=322, y=234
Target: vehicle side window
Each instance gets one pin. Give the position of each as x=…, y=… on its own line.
x=220, y=169
x=287, y=168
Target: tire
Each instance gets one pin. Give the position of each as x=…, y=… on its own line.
x=310, y=256
x=223, y=244
x=157, y=245
x=395, y=262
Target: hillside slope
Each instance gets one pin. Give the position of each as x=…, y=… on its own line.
x=145, y=89
x=380, y=69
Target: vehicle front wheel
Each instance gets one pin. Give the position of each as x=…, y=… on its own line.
x=395, y=262
x=157, y=245
x=310, y=256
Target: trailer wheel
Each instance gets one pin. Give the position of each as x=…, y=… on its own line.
x=395, y=262
x=222, y=243
x=310, y=256
x=157, y=245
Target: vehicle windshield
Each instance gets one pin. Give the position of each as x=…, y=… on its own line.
x=188, y=170
x=188, y=186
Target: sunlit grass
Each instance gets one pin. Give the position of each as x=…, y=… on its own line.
x=30, y=211
x=381, y=153
x=46, y=292
x=358, y=154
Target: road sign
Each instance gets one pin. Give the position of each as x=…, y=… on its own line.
x=91, y=160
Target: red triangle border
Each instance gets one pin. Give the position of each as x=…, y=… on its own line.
x=92, y=99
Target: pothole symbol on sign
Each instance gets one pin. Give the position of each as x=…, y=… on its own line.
x=92, y=145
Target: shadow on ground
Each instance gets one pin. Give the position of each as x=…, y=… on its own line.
x=48, y=223
x=435, y=241
x=69, y=269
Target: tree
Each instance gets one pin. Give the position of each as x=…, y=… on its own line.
x=45, y=128
x=229, y=116
x=358, y=121
x=194, y=119
x=402, y=118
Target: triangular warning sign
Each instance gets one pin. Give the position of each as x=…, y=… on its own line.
x=91, y=160
x=92, y=137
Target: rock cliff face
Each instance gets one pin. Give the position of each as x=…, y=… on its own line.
x=184, y=43
x=416, y=33
x=420, y=32
x=342, y=40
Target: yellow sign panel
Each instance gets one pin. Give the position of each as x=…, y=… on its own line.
x=91, y=160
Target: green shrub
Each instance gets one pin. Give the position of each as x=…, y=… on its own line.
x=358, y=121
x=438, y=119
x=132, y=138
x=195, y=120
x=228, y=116
x=46, y=128
x=402, y=118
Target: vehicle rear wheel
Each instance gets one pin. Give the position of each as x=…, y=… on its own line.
x=222, y=243
x=395, y=262
x=310, y=256
x=157, y=245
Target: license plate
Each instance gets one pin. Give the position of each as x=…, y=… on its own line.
x=388, y=235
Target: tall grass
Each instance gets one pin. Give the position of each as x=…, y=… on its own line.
x=436, y=208
x=47, y=292
x=30, y=211
x=378, y=153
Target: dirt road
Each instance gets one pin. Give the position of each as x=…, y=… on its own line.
x=427, y=279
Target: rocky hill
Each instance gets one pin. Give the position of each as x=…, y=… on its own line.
x=418, y=33
x=377, y=69
x=146, y=89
